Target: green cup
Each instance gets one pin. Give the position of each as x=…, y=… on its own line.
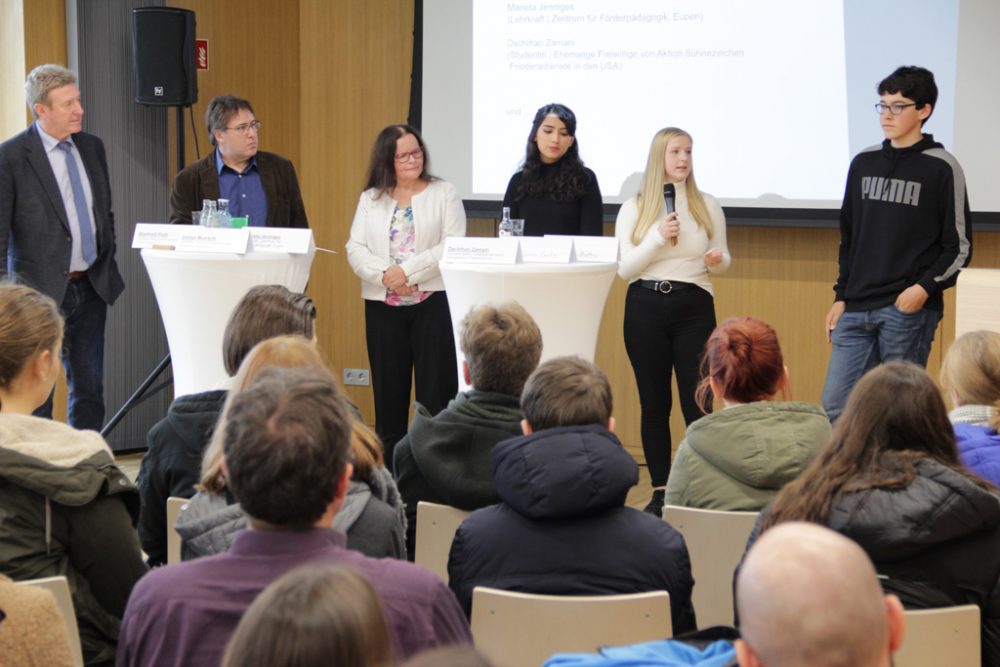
x=241, y=222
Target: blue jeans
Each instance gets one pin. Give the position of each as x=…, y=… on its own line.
x=82, y=356
x=865, y=339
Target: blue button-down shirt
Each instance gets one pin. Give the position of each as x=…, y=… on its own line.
x=244, y=191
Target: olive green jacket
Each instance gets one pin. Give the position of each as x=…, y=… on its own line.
x=738, y=458
x=66, y=509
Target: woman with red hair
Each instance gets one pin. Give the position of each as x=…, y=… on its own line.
x=739, y=457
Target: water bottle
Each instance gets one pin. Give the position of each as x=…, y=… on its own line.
x=207, y=213
x=223, y=218
x=506, y=227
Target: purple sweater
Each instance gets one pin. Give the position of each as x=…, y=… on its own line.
x=184, y=614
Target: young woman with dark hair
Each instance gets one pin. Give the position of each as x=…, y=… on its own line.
x=669, y=308
x=890, y=479
x=403, y=217
x=554, y=193
x=738, y=458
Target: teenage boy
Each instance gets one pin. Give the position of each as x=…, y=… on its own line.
x=905, y=231
x=562, y=527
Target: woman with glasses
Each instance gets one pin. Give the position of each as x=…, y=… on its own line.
x=553, y=192
x=669, y=311
x=403, y=217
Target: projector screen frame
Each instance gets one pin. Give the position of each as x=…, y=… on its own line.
x=736, y=216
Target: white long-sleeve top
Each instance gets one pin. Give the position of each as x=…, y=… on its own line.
x=437, y=214
x=655, y=259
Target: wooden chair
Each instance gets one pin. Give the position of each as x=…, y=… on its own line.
x=174, y=507
x=436, y=526
x=59, y=588
x=516, y=629
x=715, y=541
x=945, y=636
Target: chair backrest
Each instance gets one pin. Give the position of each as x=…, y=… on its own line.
x=436, y=526
x=715, y=541
x=174, y=507
x=515, y=629
x=59, y=588
x=945, y=636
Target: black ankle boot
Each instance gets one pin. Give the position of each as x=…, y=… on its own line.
x=655, y=506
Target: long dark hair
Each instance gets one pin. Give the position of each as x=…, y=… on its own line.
x=382, y=165
x=567, y=179
x=894, y=417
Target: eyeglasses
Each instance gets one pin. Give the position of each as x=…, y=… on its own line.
x=412, y=155
x=895, y=109
x=245, y=127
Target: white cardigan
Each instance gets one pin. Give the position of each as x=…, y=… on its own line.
x=655, y=259
x=437, y=214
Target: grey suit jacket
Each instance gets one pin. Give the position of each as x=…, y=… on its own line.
x=34, y=230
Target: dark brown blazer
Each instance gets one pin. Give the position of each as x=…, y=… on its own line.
x=200, y=180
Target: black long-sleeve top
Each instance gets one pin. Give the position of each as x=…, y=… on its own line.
x=583, y=216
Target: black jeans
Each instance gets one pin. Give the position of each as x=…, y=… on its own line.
x=663, y=333
x=403, y=342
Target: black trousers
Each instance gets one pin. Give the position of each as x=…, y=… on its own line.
x=403, y=342
x=665, y=333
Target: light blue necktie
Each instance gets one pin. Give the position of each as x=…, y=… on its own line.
x=87, y=243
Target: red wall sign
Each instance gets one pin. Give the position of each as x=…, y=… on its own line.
x=201, y=54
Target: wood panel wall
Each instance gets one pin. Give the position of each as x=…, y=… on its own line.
x=356, y=59
x=253, y=53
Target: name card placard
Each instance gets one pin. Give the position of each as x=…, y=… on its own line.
x=480, y=250
x=280, y=239
x=149, y=235
x=595, y=249
x=546, y=249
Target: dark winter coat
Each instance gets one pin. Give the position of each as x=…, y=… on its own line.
x=563, y=527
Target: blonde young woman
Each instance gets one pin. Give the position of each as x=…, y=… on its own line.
x=65, y=507
x=669, y=309
x=970, y=376
x=372, y=512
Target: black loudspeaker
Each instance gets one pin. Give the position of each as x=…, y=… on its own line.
x=163, y=56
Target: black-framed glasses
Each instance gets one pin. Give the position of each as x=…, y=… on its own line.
x=895, y=108
x=412, y=155
x=246, y=127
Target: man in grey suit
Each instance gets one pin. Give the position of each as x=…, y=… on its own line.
x=57, y=230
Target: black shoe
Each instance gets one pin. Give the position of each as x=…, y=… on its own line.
x=655, y=506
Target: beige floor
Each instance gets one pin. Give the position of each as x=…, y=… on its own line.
x=638, y=496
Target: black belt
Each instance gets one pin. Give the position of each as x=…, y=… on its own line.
x=664, y=286
x=76, y=275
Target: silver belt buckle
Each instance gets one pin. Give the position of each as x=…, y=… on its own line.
x=661, y=283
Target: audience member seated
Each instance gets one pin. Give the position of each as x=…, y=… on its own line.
x=177, y=442
x=65, y=507
x=562, y=527
x=808, y=596
x=314, y=616
x=890, y=479
x=286, y=444
x=372, y=511
x=32, y=631
x=446, y=458
x=739, y=457
x=970, y=375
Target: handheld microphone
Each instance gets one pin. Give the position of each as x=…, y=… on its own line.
x=668, y=201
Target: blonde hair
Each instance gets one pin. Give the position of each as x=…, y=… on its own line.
x=313, y=616
x=29, y=323
x=971, y=369
x=286, y=352
x=650, y=196
x=283, y=351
